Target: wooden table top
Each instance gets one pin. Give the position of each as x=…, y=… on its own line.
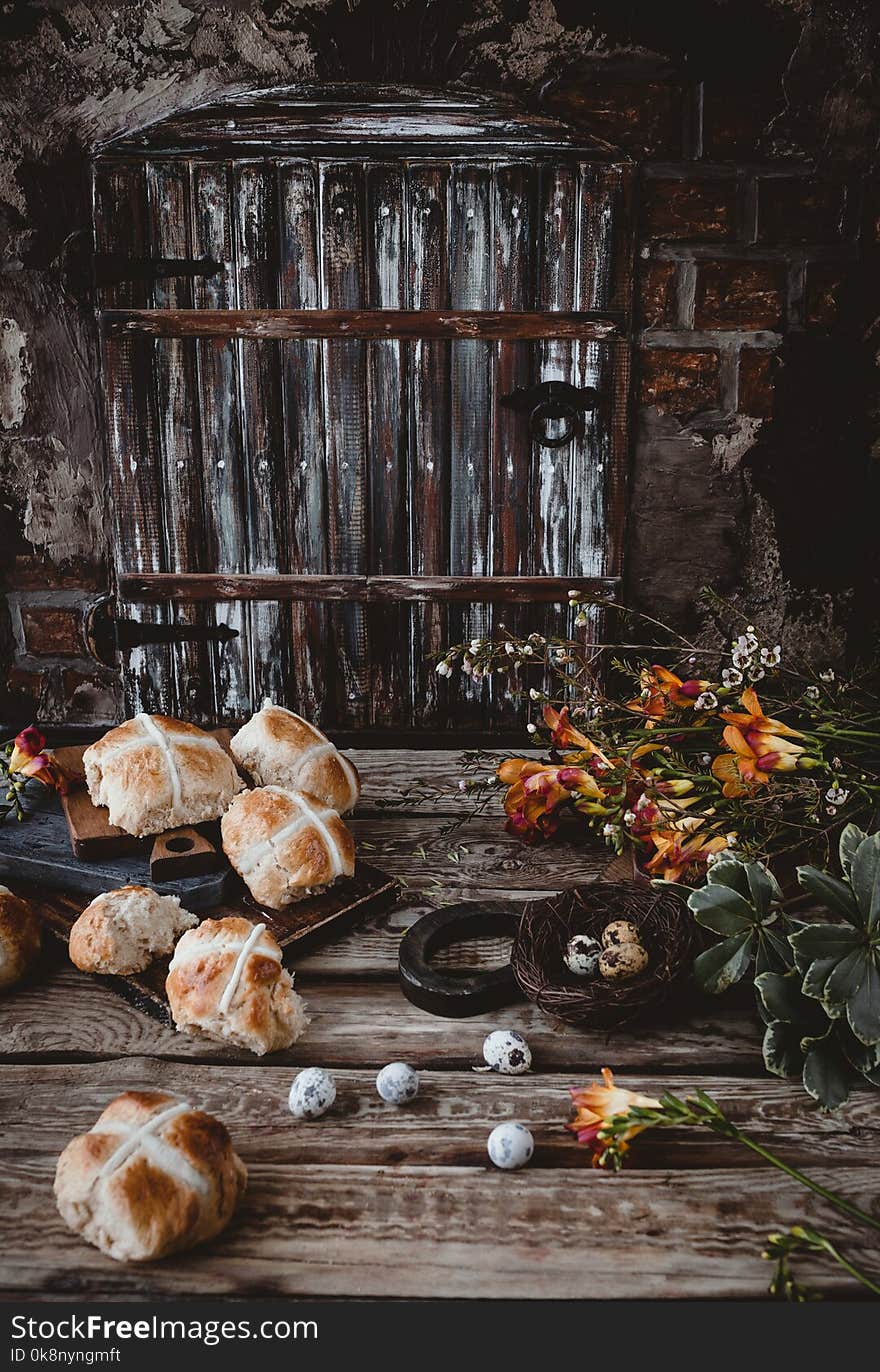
x=378, y=1201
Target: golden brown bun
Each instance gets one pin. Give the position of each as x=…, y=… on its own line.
x=226, y=981
x=155, y=773
x=142, y=1195
x=278, y=748
x=123, y=931
x=19, y=938
x=285, y=845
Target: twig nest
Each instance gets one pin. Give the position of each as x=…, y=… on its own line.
x=312, y=1093
x=628, y=960
x=637, y=983
x=510, y=1145
x=619, y=931
x=398, y=1083
x=582, y=955
x=506, y=1051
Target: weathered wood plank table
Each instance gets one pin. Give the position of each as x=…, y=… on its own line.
x=376, y=1201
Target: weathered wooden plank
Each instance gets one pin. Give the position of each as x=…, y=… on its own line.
x=224, y=475
x=387, y=442
x=68, y=1015
x=256, y=286
x=120, y=220
x=447, y=1124
x=553, y=498
x=304, y=438
x=334, y=1230
x=513, y=213
x=178, y=436
x=342, y=287
x=471, y=392
x=145, y=587
x=428, y=191
x=467, y=322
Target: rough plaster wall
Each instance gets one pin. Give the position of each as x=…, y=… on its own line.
x=77, y=73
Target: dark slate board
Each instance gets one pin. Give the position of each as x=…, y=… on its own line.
x=38, y=851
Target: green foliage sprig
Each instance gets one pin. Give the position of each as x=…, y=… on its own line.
x=817, y=983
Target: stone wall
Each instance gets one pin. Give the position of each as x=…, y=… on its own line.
x=753, y=124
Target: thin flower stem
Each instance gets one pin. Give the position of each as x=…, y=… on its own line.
x=844, y=1206
x=850, y=1267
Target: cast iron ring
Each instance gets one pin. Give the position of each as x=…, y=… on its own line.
x=456, y=996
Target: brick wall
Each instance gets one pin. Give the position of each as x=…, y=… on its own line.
x=742, y=250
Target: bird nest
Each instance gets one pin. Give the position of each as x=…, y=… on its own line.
x=667, y=931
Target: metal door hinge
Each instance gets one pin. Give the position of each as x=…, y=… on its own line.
x=107, y=637
x=83, y=270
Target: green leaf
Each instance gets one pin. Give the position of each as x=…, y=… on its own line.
x=865, y=878
x=863, y=1007
x=719, y=967
x=781, y=996
x=864, y=1057
x=783, y=1055
x=731, y=872
x=850, y=839
x=816, y=975
x=827, y=940
x=677, y=886
x=828, y=891
x=827, y=1074
x=722, y=910
x=846, y=978
x=774, y=951
x=763, y=887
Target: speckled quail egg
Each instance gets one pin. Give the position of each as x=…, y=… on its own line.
x=398, y=1083
x=504, y=1050
x=626, y=961
x=582, y=955
x=312, y=1093
x=510, y=1145
x=621, y=931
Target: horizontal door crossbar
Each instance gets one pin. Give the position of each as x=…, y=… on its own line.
x=147, y=587
x=366, y=324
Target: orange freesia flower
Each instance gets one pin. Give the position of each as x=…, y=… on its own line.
x=659, y=688
x=536, y=790
x=678, y=854
x=565, y=735
x=595, y=1105
x=754, y=721
x=753, y=756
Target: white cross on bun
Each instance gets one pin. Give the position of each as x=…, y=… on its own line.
x=226, y=981
x=19, y=938
x=278, y=748
x=154, y=773
x=123, y=931
x=152, y=1177
x=285, y=845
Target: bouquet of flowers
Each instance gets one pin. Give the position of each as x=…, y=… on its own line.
x=709, y=751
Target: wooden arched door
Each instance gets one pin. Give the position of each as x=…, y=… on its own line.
x=326, y=300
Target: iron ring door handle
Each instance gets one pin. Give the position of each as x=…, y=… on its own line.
x=553, y=401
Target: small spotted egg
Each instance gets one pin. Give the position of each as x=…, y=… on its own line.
x=510, y=1145
x=312, y=1093
x=504, y=1050
x=582, y=955
x=621, y=931
x=398, y=1083
x=626, y=961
